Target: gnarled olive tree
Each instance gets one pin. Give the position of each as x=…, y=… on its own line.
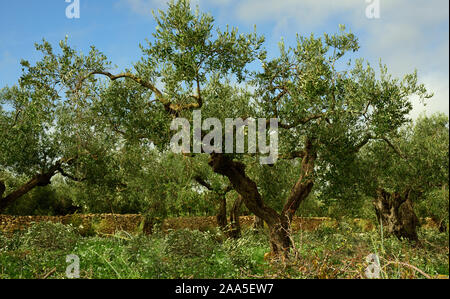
x=407, y=168
x=327, y=110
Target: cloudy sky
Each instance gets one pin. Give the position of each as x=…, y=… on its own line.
x=406, y=35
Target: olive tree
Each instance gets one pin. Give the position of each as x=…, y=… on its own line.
x=409, y=168
x=327, y=110
x=43, y=131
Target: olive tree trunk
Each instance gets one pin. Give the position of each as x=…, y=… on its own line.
x=221, y=217
x=396, y=214
x=232, y=229
x=39, y=180
x=235, y=225
x=279, y=224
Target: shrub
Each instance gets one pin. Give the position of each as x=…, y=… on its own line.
x=247, y=252
x=190, y=243
x=10, y=243
x=435, y=205
x=50, y=236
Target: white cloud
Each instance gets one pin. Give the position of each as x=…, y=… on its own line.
x=438, y=83
x=145, y=7
x=311, y=12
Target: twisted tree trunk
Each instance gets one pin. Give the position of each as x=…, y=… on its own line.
x=279, y=224
x=40, y=180
x=395, y=212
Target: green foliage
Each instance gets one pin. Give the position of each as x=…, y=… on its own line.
x=11, y=243
x=329, y=252
x=435, y=205
x=185, y=49
x=424, y=159
x=190, y=243
x=413, y=158
x=109, y=140
x=247, y=252
x=50, y=236
x=116, y=133
x=52, y=200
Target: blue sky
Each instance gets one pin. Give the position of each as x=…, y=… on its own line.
x=409, y=33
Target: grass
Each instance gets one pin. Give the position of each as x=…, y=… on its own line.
x=328, y=252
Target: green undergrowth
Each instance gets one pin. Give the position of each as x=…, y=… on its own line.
x=331, y=251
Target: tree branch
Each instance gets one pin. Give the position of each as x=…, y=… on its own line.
x=202, y=182
x=73, y=178
x=396, y=150
x=173, y=109
x=39, y=180
x=246, y=187
x=208, y=186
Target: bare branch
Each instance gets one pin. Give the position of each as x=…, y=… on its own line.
x=396, y=149
x=170, y=108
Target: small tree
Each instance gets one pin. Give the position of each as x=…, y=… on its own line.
x=43, y=132
x=411, y=166
x=397, y=172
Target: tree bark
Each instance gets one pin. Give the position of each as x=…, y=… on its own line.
x=304, y=184
x=279, y=224
x=235, y=225
x=222, y=214
x=395, y=212
x=40, y=180
x=247, y=188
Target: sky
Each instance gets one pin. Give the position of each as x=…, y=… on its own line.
x=405, y=34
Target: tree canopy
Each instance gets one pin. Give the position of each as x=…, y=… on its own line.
x=71, y=114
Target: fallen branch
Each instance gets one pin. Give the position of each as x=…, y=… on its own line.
x=408, y=265
x=49, y=273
